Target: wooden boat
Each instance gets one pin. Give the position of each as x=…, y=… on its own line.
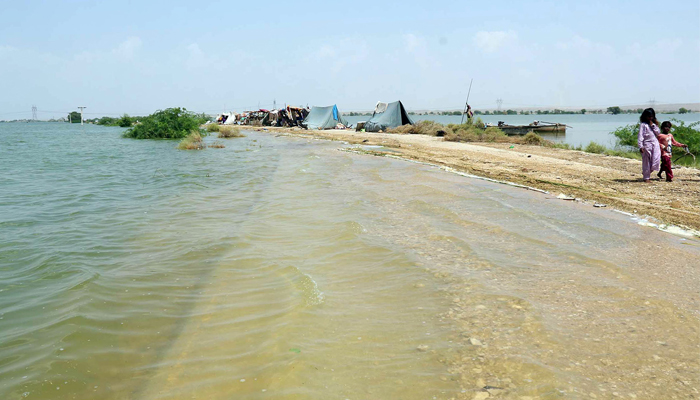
x=541, y=127
x=549, y=127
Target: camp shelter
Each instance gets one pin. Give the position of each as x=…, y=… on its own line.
x=324, y=118
x=230, y=119
x=387, y=115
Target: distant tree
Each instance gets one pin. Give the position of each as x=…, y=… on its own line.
x=74, y=117
x=614, y=110
x=583, y=111
x=125, y=121
x=683, y=110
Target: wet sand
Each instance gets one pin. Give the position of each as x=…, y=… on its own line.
x=613, y=181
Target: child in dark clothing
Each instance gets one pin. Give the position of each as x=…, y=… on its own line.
x=666, y=140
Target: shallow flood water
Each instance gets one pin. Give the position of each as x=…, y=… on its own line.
x=280, y=267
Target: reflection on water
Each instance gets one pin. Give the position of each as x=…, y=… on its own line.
x=282, y=268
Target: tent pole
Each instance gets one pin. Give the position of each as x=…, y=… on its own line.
x=467, y=103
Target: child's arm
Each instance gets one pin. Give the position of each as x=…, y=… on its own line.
x=677, y=144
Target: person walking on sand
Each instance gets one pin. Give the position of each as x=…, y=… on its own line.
x=648, y=144
x=666, y=140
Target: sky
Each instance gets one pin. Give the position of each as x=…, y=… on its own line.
x=136, y=57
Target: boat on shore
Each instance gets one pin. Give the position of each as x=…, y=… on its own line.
x=536, y=126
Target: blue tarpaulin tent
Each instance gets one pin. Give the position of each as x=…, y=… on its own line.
x=324, y=118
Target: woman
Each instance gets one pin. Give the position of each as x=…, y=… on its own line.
x=648, y=144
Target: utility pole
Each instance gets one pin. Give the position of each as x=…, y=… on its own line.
x=81, y=114
x=499, y=103
x=34, y=118
x=274, y=104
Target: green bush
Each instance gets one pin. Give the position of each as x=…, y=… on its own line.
x=594, y=147
x=125, y=121
x=213, y=127
x=171, y=123
x=627, y=135
x=533, y=139
x=686, y=134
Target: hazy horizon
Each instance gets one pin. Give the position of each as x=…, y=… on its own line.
x=213, y=56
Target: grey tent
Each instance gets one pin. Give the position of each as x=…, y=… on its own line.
x=324, y=118
x=386, y=116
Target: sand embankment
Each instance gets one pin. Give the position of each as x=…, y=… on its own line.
x=614, y=181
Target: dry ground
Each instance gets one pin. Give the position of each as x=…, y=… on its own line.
x=614, y=181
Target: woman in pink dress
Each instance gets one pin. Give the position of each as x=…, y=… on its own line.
x=648, y=144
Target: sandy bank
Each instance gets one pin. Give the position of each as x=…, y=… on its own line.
x=614, y=181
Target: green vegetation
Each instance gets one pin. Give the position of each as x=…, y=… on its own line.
x=217, y=145
x=213, y=127
x=125, y=121
x=171, y=123
x=193, y=141
x=228, y=131
x=534, y=139
x=471, y=131
x=683, y=110
x=686, y=134
x=74, y=117
x=107, y=121
x=614, y=110
x=594, y=147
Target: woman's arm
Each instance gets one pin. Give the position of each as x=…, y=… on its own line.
x=655, y=129
x=640, y=137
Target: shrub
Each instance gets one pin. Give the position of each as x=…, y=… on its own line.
x=125, y=121
x=217, y=145
x=212, y=127
x=533, y=139
x=171, y=123
x=227, y=131
x=594, y=147
x=627, y=135
x=193, y=141
x=686, y=134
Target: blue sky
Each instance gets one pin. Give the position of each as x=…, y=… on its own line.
x=136, y=57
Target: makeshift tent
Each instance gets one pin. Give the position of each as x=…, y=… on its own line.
x=387, y=116
x=324, y=118
x=230, y=119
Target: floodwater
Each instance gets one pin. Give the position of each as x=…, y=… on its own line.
x=582, y=130
x=281, y=267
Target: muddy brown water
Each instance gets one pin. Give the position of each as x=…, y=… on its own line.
x=281, y=267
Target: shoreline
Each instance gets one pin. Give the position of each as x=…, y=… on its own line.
x=609, y=180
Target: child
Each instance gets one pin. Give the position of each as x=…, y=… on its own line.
x=666, y=140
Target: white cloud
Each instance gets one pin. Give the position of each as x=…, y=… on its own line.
x=413, y=43
x=579, y=43
x=127, y=48
x=344, y=52
x=6, y=50
x=492, y=41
